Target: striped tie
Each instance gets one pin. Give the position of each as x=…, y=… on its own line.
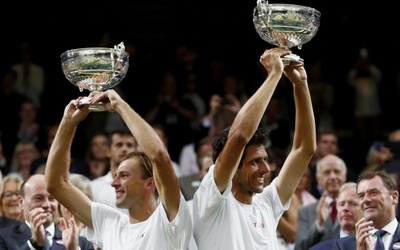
x=379, y=243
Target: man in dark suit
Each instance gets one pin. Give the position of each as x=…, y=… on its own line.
x=378, y=198
x=40, y=228
x=314, y=223
x=349, y=212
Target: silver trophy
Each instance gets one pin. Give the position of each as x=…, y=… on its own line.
x=286, y=26
x=95, y=69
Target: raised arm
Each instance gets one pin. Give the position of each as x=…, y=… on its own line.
x=166, y=181
x=248, y=119
x=58, y=164
x=304, y=140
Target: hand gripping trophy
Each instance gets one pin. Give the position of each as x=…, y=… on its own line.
x=95, y=69
x=286, y=25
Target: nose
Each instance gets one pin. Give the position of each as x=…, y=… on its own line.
x=265, y=167
x=115, y=182
x=46, y=203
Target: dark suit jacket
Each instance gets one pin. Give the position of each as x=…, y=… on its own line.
x=324, y=245
x=307, y=232
x=6, y=222
x=349, y=242
x=16, y=237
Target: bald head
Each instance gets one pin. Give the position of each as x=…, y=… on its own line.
x=331, y=174
x=331, y=159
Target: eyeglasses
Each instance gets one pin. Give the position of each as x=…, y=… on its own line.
x=8, y=195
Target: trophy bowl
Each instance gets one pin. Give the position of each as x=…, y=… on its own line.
x=286, y=26
x=95, y=69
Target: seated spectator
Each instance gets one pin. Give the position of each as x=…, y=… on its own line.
x=97, y=156
x=303, y=189
x=9, y=206
x=29, y=128
x=10, y=211
x=38, y=228
x=24, y=155
x=349, y=212
x=190, y=153
x=189, y=184
x=314, y=222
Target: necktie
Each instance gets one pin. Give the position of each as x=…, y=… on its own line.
x=333, y=211
x=47, y=245
x=379, y=243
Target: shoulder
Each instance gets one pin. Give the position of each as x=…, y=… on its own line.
x=327, y=244
x=16, y=232
x=6, y=222
x=346, y=241
x=310, y=207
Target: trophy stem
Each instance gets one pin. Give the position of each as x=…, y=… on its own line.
x=98, y=107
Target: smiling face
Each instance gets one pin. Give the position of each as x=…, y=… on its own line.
x=37, y=199
x=133, y=182
x=331, y=174
x=9, y=199
x=249, y=178
x=377, y=202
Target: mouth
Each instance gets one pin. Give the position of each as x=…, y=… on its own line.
x=369, y=209
x=118, y=194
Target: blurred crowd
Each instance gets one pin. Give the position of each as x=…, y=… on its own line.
x=188, y=99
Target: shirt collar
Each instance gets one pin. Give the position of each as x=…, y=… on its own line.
x=389, y=228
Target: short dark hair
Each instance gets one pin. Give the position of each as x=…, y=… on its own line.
x=259, y=138
x=121, y=131
x=388, y=181
x=326, y=132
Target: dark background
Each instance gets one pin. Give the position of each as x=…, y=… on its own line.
x=215, y=29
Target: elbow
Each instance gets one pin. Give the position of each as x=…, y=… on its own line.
x=308, y=149
x=53, y=185
x=161, y=153
x=240, y=136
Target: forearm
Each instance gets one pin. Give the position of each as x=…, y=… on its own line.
x=305, y=131
x=145, y=135
x=249, y=116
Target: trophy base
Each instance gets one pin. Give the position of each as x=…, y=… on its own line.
x=93, y=107
x=292, y=58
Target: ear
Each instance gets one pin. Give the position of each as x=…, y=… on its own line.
x=395, y=197
x=151, y=183
x=21, y=202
